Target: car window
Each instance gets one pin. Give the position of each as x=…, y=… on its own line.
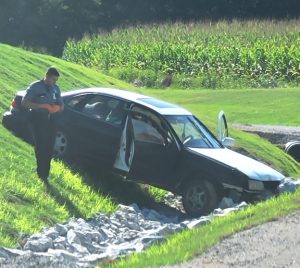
x=147, y=128
x=191, y=132
x=105, y=109
x=77, y=101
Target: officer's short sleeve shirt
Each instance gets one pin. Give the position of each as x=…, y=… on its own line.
x=39, y=92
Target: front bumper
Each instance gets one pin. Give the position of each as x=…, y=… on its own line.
x=255, y=190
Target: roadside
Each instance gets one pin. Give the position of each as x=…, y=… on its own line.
x=275, y=134
x=273, y=244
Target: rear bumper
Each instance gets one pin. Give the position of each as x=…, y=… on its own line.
x=17, y=123
x=10, y=121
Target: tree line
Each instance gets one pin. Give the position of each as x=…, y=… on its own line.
x=47, y=24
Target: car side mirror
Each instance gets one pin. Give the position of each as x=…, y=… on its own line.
x=223, y=131
x=228, y=142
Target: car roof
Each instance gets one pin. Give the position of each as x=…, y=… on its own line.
x=161, y=107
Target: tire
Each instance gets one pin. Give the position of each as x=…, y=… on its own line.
x=62, y=146
x=199, y=198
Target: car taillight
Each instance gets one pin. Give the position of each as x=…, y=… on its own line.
x=14, y=104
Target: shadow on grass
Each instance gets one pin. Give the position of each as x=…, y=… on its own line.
x=64, y=201
x=104, y=181
x=124, y=192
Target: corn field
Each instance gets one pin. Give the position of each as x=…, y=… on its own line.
x=262, y=53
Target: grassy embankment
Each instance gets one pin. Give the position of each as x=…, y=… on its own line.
x=238, y=54
x=26, y=206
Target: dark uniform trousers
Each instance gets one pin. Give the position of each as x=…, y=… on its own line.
x=44, y=132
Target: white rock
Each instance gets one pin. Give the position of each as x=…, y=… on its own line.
x=132, y=209
x=147, y=241
x=288, y=185
x=36, y=236
x=61, y=229
x=132, y=225
x=81, y=250
x=60, y=243
x=42, y=254
x=217, y=211
x=59, y=246
x=8, y=252
x=116, y=223
x=224, y=212
x=41, y=245
x=121, y=249
x=51, y=233
x=226, y=203
x=95, y=259
x=297, y=182
x=78, y=237
x=94, y=236
x=96, y=248
x=63, y=254
x=169, y=229
x=106, y=233
x=242, y=205
x=198, y=222
x=72, y=237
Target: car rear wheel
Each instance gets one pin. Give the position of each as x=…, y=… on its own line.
x=61, y=146
x=199, y=197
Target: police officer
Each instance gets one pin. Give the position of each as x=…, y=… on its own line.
x=43, y=99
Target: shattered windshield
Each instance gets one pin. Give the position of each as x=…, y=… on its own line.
x=191, y=132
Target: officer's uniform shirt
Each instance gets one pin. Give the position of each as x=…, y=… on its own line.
x=39, y=92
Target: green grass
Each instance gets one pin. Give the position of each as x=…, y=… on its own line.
x=200, y=54
x=255, y=106
x=26, y=206
x=190, y=243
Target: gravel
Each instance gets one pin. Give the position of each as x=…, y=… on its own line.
x=275, y=134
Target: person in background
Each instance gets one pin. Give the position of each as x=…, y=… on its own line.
x=43, y=99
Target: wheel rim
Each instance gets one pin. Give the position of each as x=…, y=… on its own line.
x=61, y=144
x=196, y=198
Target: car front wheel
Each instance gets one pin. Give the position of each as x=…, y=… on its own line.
x=199, y=198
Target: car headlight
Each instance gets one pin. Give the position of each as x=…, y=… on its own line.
x=256, y=185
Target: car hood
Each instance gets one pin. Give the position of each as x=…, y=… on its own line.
x=250, y=167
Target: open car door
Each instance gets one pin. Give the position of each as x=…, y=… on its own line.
x=148, y=152
x=223, y=131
